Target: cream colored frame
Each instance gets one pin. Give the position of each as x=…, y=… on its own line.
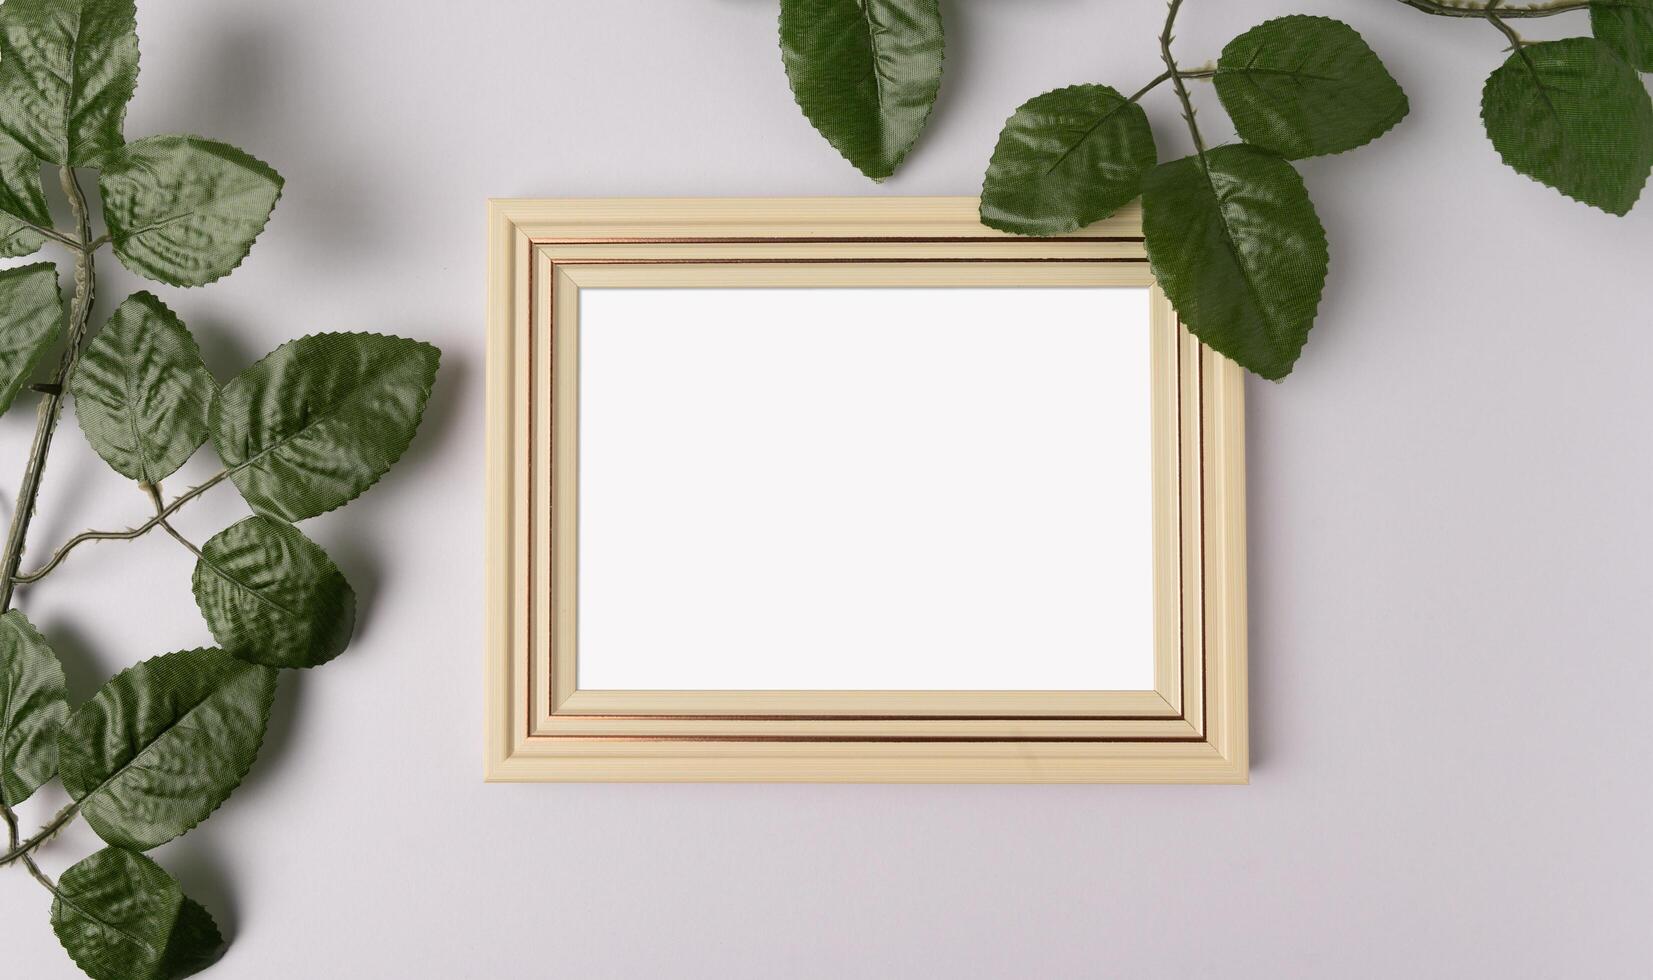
x=1191, y=728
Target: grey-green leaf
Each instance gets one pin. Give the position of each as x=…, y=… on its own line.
x=121, y=917
x=67, y=70
x=1238, y=249
x=1626, y=26
x=320, y=419
x=22, y=200
x=33, y=705
x=1573, y=115
x=164, y=743
x=31, y=318
x=1303, y=86
x=271, y=596
x=184, y=210
x=865, y=73
x=142, y=392
x=1065, y=159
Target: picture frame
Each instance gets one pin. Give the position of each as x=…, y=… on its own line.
x=541, y=726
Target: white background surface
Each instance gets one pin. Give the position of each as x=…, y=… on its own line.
x=1450, y=563
x=865, y=489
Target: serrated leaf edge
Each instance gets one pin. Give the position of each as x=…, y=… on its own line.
x=98, y=159
x=281, y=187
x=1485, y=129
x=240, y=776
x=1319, y=295
x=75, y=385
x=23, y=625
x=350, y=593
x=424, y=403
x=57, y=329
x=1405, y=100
x=1062, y=227
x=184, y=900
x=923, y=123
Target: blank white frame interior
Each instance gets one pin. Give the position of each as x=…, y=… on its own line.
x=865, y=489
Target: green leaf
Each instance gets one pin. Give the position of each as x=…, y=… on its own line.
x=865, y=73
x=31, y=318
x=1626, y=26
x=33, y=705
x=1304, y=86
x=1572, y=115
x=164, y=743
x=121, y=917
x=271, y=596
x=1238, y=249
x=1065, y=159
x=22, y=200
x=320, y=419
x=141, y=391
x=184, y=210
x=67, y=70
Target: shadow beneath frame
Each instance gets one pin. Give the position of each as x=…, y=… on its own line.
x=1258, y=662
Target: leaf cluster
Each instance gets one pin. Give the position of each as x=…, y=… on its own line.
x=306, y=429
x=1230, y=231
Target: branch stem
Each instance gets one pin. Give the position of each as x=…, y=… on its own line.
x=51, y=407
x=1494, y=8
x=160, y=515
x=28, y=859
x=1176, y=80
x=158, y=520
x=60, y=820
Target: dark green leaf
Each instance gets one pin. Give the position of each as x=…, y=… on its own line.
x=164, y=743
x=22, y=200
x=1303, y=86
x=1572, y=115
x=67, y=70
x=1626, y=26
x=320, y=419
x=1065, y=159
x=141, y=391
x=32, y=708
x=121, y=917
x=184, y=210
x=31, y=317
x=1237, y=247
x=271, y=596
x=865, y=73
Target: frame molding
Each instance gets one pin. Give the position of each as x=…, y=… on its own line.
x=1191, y=728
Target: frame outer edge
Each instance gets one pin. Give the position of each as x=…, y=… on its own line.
x=500, y=434
x=511, y=755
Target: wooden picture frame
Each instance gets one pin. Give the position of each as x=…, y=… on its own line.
x=541, y=727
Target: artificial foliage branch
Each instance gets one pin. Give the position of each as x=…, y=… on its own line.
x=1230, y=230
x=306, y=429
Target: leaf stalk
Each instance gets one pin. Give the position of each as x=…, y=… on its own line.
x=160, y=515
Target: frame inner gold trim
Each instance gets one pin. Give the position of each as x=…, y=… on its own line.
x=570, y=712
